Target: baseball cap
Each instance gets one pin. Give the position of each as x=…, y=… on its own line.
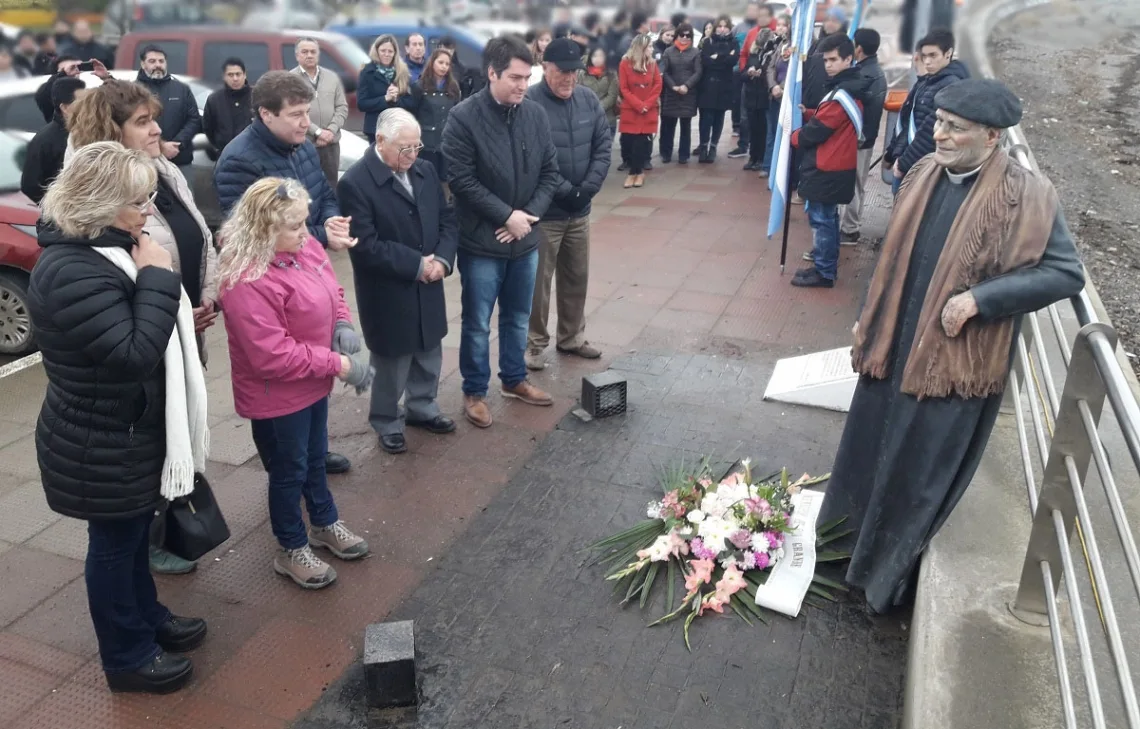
x=565, y=54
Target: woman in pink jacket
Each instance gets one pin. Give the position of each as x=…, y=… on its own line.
x=290, y=334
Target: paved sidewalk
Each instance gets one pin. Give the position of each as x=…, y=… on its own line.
x=685, y=298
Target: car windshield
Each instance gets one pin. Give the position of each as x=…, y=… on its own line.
x=12, y=152
x=352, y=52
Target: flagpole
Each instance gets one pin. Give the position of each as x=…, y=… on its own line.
x=787, y=216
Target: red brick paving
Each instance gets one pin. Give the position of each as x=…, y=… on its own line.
x=667, y=271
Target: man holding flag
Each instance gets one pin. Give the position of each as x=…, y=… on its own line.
x=829, y=142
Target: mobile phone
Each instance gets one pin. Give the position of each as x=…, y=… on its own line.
x=87, y=66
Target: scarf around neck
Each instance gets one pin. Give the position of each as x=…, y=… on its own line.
x=1003, y=225
x=683, y=44
x=596, y=71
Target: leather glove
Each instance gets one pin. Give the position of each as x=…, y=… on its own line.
x=345, y=339
x=360, y=374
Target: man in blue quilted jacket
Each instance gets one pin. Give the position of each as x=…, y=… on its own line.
x=275, y=145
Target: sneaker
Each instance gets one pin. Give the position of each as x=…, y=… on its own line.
x=849, y=239
x=165, y=563
x=808, y=256
x=529, y=394
x=796, y=199
x=585, y=351
x=812, y=279
x=738, y=152
x=304, y=568
x=476, y=411
x=534, y=360
x=751, y=166
x=338, y=540
x=763, y=173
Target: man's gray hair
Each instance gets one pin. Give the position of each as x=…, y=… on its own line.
x=394, y=121
x=308, y=39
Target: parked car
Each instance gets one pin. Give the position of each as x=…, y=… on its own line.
x=469, y=46
x=124, y=16
x=200, y=51
x=19, y=248
x=279, y=14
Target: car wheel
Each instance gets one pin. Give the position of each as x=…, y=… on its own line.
x=16, y=336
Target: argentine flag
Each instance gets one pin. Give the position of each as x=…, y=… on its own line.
x=791, y=118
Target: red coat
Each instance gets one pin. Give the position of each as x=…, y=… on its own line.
x=640, y=95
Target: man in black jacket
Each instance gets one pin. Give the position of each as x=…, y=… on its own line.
x=45, y=152
x=83, y=45
x=503, y=171
x=228, y=111
x=180, y=120
x=582, y=139
x=867, y=60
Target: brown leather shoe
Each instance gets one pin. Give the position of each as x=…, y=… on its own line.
x=529, y=394
x=476, y=410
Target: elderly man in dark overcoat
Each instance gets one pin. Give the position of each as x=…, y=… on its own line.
x=408, y=239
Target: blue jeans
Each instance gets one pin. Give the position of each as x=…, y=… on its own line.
x=895, y=184
x=293, y=449
x=824, y=221
x=485, y=280
x=121, y=593
x=773, y=122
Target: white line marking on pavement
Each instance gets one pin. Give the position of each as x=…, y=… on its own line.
x=20, y=365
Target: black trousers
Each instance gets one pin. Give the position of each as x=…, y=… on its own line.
x=757, y=133
x=668, y=132
x=712, y=124
x=636, y=149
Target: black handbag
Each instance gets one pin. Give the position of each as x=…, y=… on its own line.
x=194, y=523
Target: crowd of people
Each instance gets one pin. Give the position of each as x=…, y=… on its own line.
x=486, y=172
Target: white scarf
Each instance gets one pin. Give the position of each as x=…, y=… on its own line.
x=187, y=433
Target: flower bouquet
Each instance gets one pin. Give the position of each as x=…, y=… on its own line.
x=723, y=537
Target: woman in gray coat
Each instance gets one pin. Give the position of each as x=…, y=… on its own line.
x=680, y=72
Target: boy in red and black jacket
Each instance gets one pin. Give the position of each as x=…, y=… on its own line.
x=829, y=144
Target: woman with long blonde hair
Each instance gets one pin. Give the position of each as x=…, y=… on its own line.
x=123, y=425
x=640, y=82
x=284, y=308
x=382, y=82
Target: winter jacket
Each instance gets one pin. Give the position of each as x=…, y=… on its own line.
x=659, y=49
x=100, y=437
x=43, y=63
x=430, y=108
x=876, y=96
x=226, y=115
x=280, y=330
x=717, y=90
x=256, y=153
x=416, y=69
x=616, y=41
x=640, y=93
x=829, y=145
x=44, y=159
x=605, y=87
x=399, y=314
x=43, y=97
x=752, y=34
x=919, y=108
x=756, y=92
x=179, y=120
x=680, y=68
x=470, y=80
x=778, y=67
x=499, y=159
x=329, y=109
x=371, y=92
x=814, y=76
x=582, y=139
x=740, y=33
x=88, y=51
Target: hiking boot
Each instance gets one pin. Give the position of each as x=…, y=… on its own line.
x=849, y=239
x=584, y=350
x=534, y=360
x=304, y=568
x=738, y=152
x=529, y=394
x=165, y=563
x=338, y=540
x=812, y=279
x=164, y=675
x=476, y=410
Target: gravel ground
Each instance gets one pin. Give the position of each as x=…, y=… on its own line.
x=1076, y=65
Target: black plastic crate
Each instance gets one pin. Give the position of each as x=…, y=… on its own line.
x=604, y=394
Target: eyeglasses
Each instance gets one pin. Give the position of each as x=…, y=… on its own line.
x=411, y=150
x=144, y=207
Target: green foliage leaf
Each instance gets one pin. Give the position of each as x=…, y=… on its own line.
x=821, y=530
x=648, y=584
x=817, y=590
x=820, y=579
x=821, y=541
x=671, y=586
x=831, y=556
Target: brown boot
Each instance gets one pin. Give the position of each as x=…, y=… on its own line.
x=529, y=394
x=476, y=410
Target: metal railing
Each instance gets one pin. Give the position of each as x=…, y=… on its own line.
x=1064, y=432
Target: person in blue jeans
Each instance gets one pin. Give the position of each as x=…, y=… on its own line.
x=828, y=144
x=503, y=172
x=777, y=71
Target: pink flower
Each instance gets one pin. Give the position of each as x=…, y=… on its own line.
x=775, y=539
x=700, y=574
x=732, y=479
x=741, y=538
x=700, y=551
x=759, y=506
x=748, y=561
x=677, y=544
x=705, y=483
x=730, y=583
x=713, y=602
x=762, y=561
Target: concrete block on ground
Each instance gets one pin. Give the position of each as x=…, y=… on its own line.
x=390, y=664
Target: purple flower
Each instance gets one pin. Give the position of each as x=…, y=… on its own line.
x=748, y=562
x=762, y=561
x=700, y=551
x=741, y=538
x=775, y=539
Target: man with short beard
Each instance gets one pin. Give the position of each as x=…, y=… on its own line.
x=180, y=119
x=583, y=141
x=974, y=242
